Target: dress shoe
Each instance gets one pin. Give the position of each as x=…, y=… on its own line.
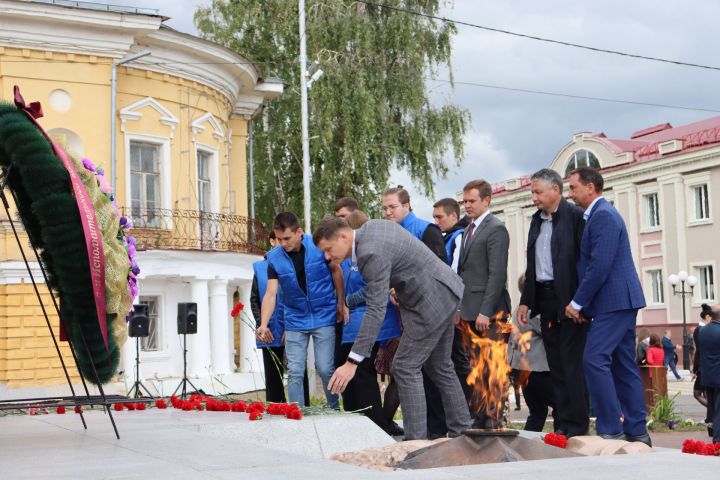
x=395, y=430
x=617, y=436
x=560, y=431
x=644, y=438
x=435, y=436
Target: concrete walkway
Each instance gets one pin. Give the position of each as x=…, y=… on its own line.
x=170, y=444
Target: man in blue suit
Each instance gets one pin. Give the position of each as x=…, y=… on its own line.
x=609, y=295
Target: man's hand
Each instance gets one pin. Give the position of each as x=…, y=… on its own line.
x=264, y=334
x=575, y=315
x=393, y=298
x=343, y=313
x=342, y=376
x=482, y=322
x=522, y=315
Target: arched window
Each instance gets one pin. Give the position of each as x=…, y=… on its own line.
x=581, y=158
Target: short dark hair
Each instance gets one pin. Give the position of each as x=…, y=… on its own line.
x=590, y=175
x=356, y=219
x=482, y=186
x=403, y=195
x=328, y=229
x=549, y=176
x=449, y=206
x=272, y=236
x=285, y=220
x=347, y=202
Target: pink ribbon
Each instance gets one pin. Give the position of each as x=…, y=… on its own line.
x=93, y=238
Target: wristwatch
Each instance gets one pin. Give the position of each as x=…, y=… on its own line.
x=353, y=361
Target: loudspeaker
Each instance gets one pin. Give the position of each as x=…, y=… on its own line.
x=139, y=323
x=187, y=318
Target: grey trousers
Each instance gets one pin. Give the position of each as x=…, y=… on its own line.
x=433, y=353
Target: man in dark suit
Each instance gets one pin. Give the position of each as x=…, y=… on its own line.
x=553, y=249
x=483, y=269
x=610, y=295
x=388, y=256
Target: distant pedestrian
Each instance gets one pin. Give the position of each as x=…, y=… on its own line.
x=643, y=341
x=670, y=348
x=655, y=354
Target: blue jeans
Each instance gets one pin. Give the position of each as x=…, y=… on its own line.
x=670, y=363
x=296, y=344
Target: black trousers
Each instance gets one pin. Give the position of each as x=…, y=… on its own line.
x=274, y=371
x=435, y=412
x=564, y=343
x=539, y=397
x=363, y=391
x=713, y=410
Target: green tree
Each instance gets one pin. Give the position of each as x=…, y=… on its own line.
x=369, y=112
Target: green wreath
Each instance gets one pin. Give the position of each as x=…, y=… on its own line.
x=49, y=212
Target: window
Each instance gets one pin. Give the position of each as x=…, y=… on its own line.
x=151, y=343
x=652, y=210
x=657, y=292
x=204, y=185
x=581, y=158
x=145, y=184
x=701, y=201
x=706, y=282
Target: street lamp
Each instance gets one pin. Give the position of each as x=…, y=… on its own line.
x=682, y=278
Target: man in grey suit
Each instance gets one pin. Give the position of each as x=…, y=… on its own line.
x=483, y=269
x=428, y=292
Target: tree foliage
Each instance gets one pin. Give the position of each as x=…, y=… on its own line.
x=369, y=112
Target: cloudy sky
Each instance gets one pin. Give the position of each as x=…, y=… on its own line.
x=516, y=133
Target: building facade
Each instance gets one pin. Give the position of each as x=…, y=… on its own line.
x=178, y=171
x=662, y=181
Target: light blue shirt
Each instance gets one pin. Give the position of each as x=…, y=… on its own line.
x=543, y=250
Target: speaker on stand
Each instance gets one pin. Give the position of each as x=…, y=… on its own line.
x=186, y=325
x=138, y=328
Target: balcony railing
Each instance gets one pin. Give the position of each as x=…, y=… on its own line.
x=164, y=229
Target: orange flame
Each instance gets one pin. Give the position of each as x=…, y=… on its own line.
x=489, y=374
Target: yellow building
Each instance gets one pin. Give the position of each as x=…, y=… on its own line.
x=179, y=171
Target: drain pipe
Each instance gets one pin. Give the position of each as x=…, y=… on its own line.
x=113, y=108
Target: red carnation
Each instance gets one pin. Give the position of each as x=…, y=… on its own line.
x=160, y=403
x=78, y=409
x=294, y=415
x=60, y=410
x=140, y=406
x=130, y=406
x=555, y=440
x=236, y=310
x=256, y=416
x=118, y=407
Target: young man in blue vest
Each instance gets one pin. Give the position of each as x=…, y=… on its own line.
x=396, y=208
x=273, y=352
x=446, y=213
x=309, y=285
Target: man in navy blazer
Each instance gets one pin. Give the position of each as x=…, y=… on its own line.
x=609, y=295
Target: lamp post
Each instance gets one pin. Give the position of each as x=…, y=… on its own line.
x=682, y=278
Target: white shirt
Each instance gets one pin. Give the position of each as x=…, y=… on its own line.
x=586, y=215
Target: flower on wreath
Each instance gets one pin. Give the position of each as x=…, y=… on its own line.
x=555, y=440
x=237, y=309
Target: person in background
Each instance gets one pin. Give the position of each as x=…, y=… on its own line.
x=345, y=206
x=655, y=354
x=709, y=346
x=446, y=213
x=670, y=348
x=699, y=390
x=534, y=375
x=643, y=340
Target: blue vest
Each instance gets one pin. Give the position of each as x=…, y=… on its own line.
x=449, y=242
x=415, y=225
x=391, y=325
x=316, y=309
x=277, y=321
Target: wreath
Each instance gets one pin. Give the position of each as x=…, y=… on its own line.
x=45, y=199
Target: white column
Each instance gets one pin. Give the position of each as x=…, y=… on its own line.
x=219, y=327
x=199, y=344
x=249, y=356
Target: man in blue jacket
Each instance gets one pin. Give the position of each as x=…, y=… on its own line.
x=309, y=286
x=609, y=295
x=709, y=348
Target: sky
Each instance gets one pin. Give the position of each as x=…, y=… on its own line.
x=512, y=133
